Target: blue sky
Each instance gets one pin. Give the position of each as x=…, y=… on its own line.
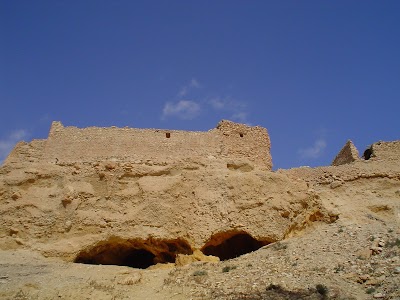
x=314, y=73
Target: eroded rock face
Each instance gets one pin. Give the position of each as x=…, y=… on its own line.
x=199, y=212
x=123, y=195
x=133, y=252
x=146, y=208
x=139, y=197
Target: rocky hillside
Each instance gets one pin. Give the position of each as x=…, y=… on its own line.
x=199, y=229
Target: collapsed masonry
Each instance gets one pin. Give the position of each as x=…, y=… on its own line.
x=348, y=154
x=381, y=150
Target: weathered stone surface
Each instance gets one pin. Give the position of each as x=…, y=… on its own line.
x=348, y=154
x=389, y=151
x=197, y=255
x=163, y=202
x=215, y=225
x=71, y=145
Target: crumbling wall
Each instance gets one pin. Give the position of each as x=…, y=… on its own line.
x=26, y=152
x=228, y=141
x=241, y=141
x=71, y=144
x=348, y=154
x=386, y=150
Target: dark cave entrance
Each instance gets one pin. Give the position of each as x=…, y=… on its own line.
x=227, y=245
x=368, y=153
x=139, y=254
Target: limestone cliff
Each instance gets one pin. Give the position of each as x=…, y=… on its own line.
x=58, y=196
x=195, y=215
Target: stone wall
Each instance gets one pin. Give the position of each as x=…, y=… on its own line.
x=386, y=150
x=348, y=154
x=26, y=152
x=228, y=140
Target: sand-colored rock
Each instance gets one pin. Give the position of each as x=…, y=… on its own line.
x=159, y=202
x=71, y=145
x=218, y=224
x=182, y=259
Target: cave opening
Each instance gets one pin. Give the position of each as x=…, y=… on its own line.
x=228, y=245
x=367, y=153
x=139, y=254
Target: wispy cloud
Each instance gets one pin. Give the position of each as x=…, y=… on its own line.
x=193, y=84
x=183, y=109
x=226, y=103
x=236, y=109
x=315, y=151
x=217, y=103
x=240, y=117
x=9, y=142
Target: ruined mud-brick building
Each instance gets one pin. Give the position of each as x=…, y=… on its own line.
x=387, y=151
x=71, y=144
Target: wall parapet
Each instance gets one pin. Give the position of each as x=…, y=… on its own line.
x=229, y=140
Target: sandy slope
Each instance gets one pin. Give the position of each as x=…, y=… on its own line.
x=355, y=257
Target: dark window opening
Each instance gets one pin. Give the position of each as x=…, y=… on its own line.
x=134, y=253
x=241, y=134
x=167, y=135
x=227, y=245
x=367, y=154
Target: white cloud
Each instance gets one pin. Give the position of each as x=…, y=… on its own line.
x=217, y=103
x=236, y=108
x=314, y=151
x=227, y=107
x=183, y=109
x=227, y=104
x=9, y=142
x=240, y=117
x=193, y=84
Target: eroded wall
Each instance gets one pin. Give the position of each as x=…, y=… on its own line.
x=386, y=150
x=348, y=154
x=228, y=140
x=26, y=152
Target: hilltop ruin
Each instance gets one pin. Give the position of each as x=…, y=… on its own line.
x=388, y=151
x=228, y=140
x=120, y=210
x=151, y=190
